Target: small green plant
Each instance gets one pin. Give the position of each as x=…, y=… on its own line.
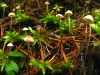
x=3, y=59
x=4, y=6
x=49, y=18
x=11, y=36
x=66, y=25
x=57, y=8
x=96, y=24
x=6, y=63
x=20, y=17
x=42, y=65
x=66, y=65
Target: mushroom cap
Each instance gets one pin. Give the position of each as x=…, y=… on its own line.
x=87, y=2
x=47, y=3
x=88, y=18
x=25, y=29
x=68, y=13
x=11, y=14
x=29, y=39
x=60, y=16
x=13, y=9
x=18, y=7
x=97, y=11
x=4, y=5
x=10, y=44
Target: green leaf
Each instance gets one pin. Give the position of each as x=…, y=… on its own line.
x=46, y=64
x=11, y=67
x=11, y=72
x=94, y=26
x=1, y=53
x=16, y=54
x=96, y=43
x=3, y=64
x=1, y=4
x=1, y=39
x=42, y=68
x=34, y=62
x=32, y=31
x=21, y=37
x=68, y=64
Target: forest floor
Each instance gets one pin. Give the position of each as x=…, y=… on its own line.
x=64, y=46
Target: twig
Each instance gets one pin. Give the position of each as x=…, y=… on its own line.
x=83, y=63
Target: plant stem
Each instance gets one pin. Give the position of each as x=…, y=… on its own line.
x=1, y=30
x=11, y=24
x=47, y=7
x=28, y=46
x=69, y=23
x=3, y=12
x=1, y=24
x=60, y=28
x=89, y=39
x=25, y=32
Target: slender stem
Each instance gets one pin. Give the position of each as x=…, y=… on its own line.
x=1, y=31
x=60, y=28
x=11, y=24
x=47, y=7
x=25, y=32
x=1, y=25
x=10, y=48
x=56, y=11
x=28, y=46
x=69, y=23
x=89, y=39
x=4, y=47
x=3, y=12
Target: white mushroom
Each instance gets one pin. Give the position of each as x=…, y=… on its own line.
x=18, y=7
x=89, y=19
x=60, y=16
x=68, y=14
x=13, y=9
x=29, y=39
x=47, y=4
x=97, y=11
x=25, y=29
x=11, y=15
x=4, y=5
x=10, y=44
